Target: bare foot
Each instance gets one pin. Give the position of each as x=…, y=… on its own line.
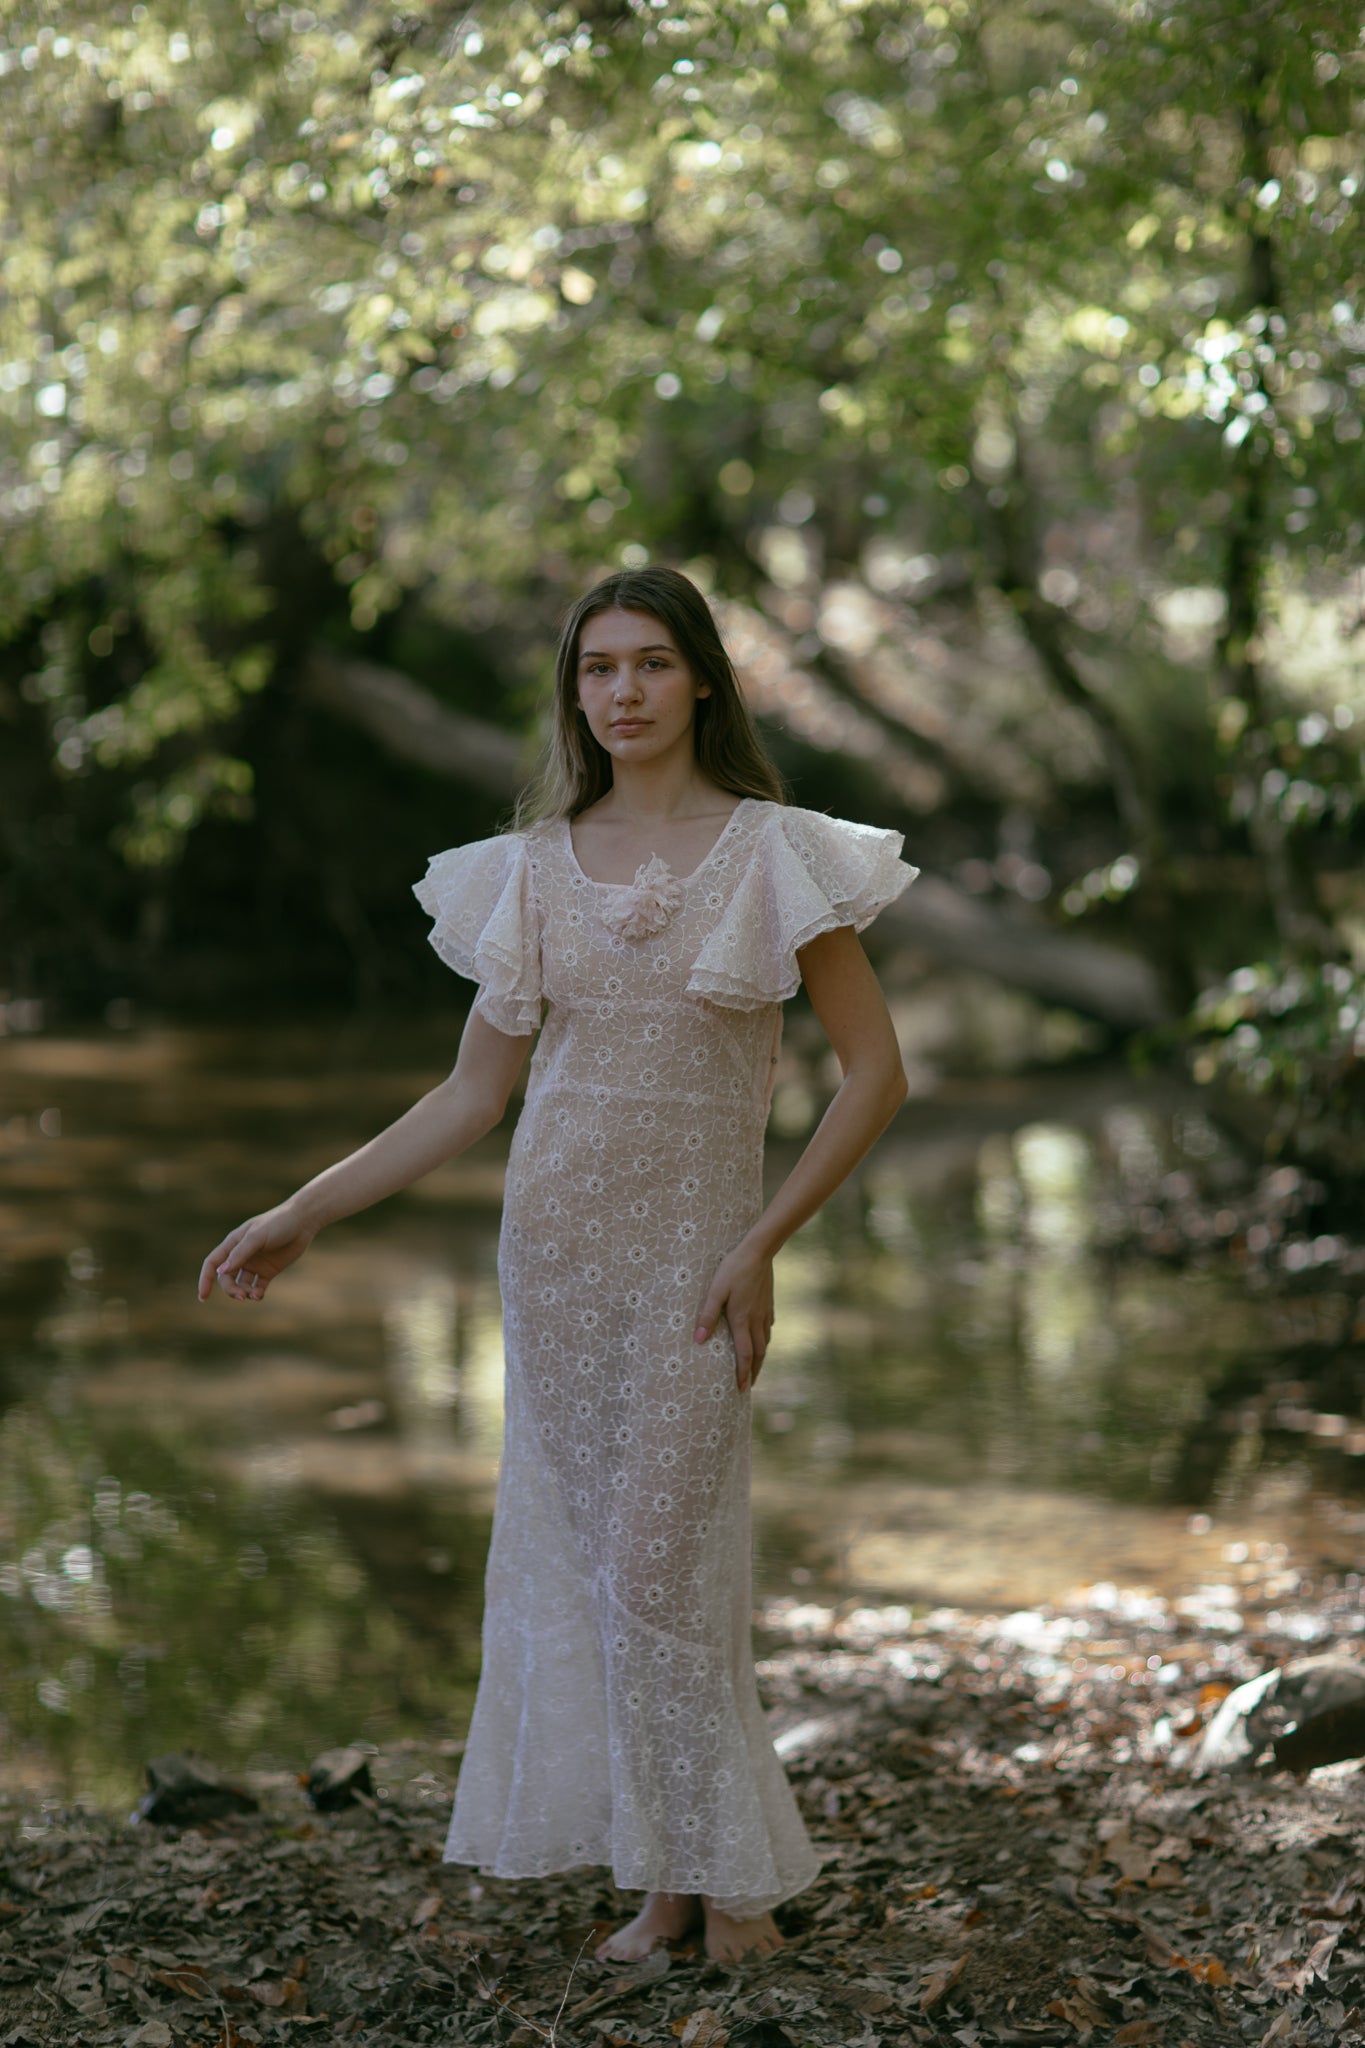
x=728, y=1939
x=664, y=1916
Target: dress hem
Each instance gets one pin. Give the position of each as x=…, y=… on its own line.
x=738, y=1908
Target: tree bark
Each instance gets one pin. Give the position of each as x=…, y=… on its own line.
x=1013, y=528
x=1303, y=931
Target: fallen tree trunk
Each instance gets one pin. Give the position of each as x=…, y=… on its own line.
x=414, y=725
x=1118, y=989
x=1080, y=973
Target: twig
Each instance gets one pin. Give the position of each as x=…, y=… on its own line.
x=550, y=2036
x=227, y=2024
x=554, y=2024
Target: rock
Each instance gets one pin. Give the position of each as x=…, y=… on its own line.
x=1326, y=1696
x=817, y=1732
x=1235, y=1736
x=183, y=1791
x=337, y=1778
x=1310, y=1713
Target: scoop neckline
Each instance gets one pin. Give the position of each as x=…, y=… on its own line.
x=691, y=876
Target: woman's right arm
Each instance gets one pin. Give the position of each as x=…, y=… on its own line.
x=446, y=1121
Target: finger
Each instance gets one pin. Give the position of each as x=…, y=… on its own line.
x=217, y=1274
x=221, y=1252
x=239, y=1262
x=709, y=1314
x=238, y=1281
x=744, y=1354
x=243, y=1247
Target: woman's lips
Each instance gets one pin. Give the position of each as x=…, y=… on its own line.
x=629, y=724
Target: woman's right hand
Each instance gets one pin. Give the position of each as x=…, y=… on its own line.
x=251, y=1256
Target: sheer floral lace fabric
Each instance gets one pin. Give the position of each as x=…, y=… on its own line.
x=617, y=1719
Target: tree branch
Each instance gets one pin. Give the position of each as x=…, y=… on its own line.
x=413, y=725
x=1119, y=989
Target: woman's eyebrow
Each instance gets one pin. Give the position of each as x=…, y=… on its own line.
x=654, y=647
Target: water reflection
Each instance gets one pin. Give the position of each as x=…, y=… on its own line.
x=137, y=1617
x=262, y=1531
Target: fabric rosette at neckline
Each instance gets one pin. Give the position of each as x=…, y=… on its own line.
x=640, y=908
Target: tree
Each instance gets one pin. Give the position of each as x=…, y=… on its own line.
x=1001, y=367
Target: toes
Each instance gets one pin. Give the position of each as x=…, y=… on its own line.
x=732, y=1947
x=623, y=1947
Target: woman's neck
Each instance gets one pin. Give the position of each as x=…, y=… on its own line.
x=655, y=793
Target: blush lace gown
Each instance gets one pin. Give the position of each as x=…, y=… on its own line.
x=617, y=1719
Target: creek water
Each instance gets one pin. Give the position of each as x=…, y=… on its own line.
x=999, y=1372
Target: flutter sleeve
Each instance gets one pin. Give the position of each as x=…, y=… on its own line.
x=808, y=874
x=485, y=926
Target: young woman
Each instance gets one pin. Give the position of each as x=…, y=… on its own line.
x=664, y=902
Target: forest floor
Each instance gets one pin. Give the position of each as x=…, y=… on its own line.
x=1016, y=1851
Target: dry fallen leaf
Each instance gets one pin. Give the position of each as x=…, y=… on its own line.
x=1085, y=2005
x=1207, y=1969
x=1138, y=2034
x=186, y=1981
x=284, y=1993
x=862, y=1998
x=153, y=2034
x=1297, y=1976
x=1159, y=1950
x=427, y=1910
x=648, y=1971
x=1132, y=1859
x=941, y=1983
x=701, y=2029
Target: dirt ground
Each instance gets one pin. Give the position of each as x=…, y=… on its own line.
x=1016, y=1851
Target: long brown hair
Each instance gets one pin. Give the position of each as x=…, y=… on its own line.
x=576, y=771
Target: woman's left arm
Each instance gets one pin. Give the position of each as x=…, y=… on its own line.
x=847, y=998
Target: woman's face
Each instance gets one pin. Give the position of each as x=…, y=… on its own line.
x=635, y=689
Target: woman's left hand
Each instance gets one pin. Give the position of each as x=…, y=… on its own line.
x=743, y=1290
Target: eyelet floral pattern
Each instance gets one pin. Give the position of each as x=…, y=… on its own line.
x=617, y=1718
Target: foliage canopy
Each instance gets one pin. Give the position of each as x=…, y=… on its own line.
x=1001, y=366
